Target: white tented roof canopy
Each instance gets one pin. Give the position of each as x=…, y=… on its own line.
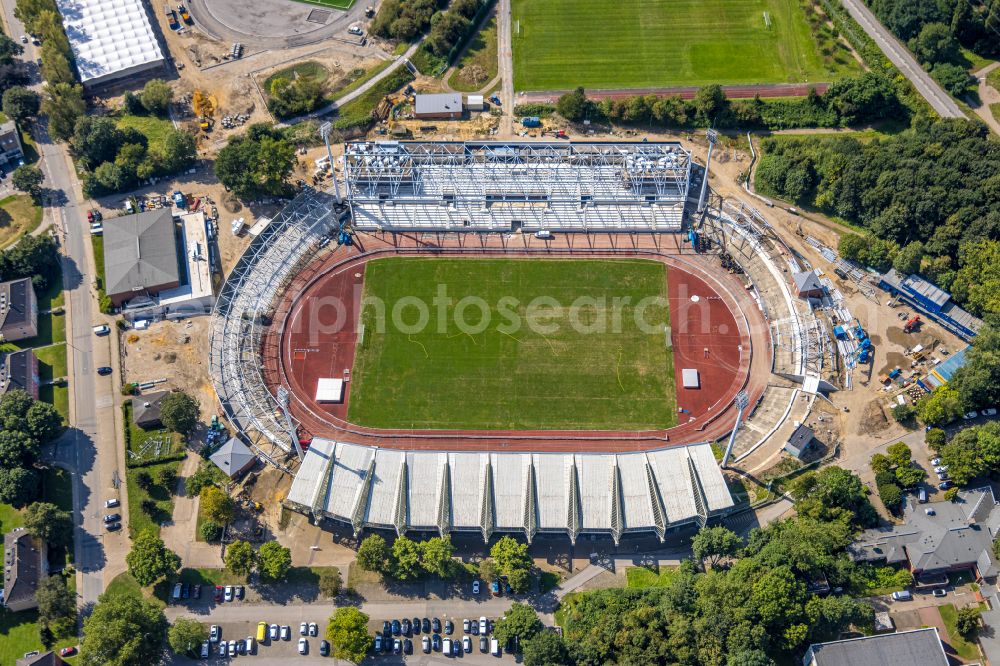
x=524, y=493
x=329, y=389
x=109, y=37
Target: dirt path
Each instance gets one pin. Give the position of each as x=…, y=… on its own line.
x=988, y=96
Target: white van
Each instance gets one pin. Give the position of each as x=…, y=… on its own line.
x=446, y=647
x=103, y=329
x=902, y=595
x=495, y=647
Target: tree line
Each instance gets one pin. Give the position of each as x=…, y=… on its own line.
x=866, y=98
x=28, y=424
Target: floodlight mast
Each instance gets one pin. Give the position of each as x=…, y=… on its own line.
x=324, y=132
x=742, y=401
x=712, y=136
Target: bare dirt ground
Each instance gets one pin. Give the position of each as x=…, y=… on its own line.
x=176, y=351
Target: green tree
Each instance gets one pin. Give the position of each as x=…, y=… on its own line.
x=833, y=493
x=935, y=44
x=950, y=494
x=373, y=554
x=714, y=543
x=963, y=457
x=941, y=407
x=935, y=438
x=20, y=103
x=150, y=560
x=519, y=580
x=18, y=486
x=96, y=140
x=56, y=603
x=17, y=449
x=28, y=179
x=240, y=558
x=967, y=621
x=49, y=523
x=178, y=152
x=978, y=381
x=43, y=421
x=488, y=569
x=892, y=496
x=330, y=582
x=435, y=556
x=179, y=412
x=546, y=648
x=709, y=102
x=186, y=635
x=123, y=630
x=573, y=105
x=852, y=246
x=207, y=474
x=509, y=555
x=156, y=97
x=274, y=560
x=258, y=162
x=908, y=259
x=348, y=634
x=405, y=559
x=909, y=476
x=216, y=504
x=166, y=477
x=953, y=78
x=899, y=454
x=210, y=531
x=520, y=622
x=144, y=479
x=903, y=413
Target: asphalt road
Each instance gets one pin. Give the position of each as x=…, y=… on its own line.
x=506, y=68
x=900, y=56
x=88, y=448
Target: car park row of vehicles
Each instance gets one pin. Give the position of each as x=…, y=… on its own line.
x=394, y=636
x=265, y=634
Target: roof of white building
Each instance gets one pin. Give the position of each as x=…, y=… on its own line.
x=108, y=36
x=510, y=492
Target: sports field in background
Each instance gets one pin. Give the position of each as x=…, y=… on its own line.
x=561, y=44
x=518, y=379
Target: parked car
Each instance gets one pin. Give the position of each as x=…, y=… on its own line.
x=386, y=628
x=425, y=626
x=313, y=629
x=397, y=646
x=449, y=627
x=114, y=527
x=407, y=646
x=495, y=647
x=112, y=518
x=355, y=30
x=218, y=593
x=436, y=624
x=239, y=591
x=286, y=632
x=223, y=649
x=902, y=595
x=103, y=329
x=940, y=592
x=426, y=642
x=185, y=591
x=935, y=462
x=274, y=632
x=324, y=648
x=233, y=649
x=196, y=592
x=968, y=416
x=303, y=646
x=396, y=628
x=214, y=633
x=416, y=625
x=436, y=642
x=205, y=649
x=992, y=411
x=378, y=642
x=475, y=586
x=483, y=626
x=303, y=629
x=446, y=646
x=405, y=626
x=111, y=503
x=176, y=594
x=941, y=468
x=945, y=486
x=249, y=644
x=104, y=370
x=483, y=644
x=69, y=651
x=467, y=643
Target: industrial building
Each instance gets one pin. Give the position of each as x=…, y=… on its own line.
x=18, y=310
x=512, y=187
x=932, y=301
x=524, y=493
x=439, y=106
x=111, y=40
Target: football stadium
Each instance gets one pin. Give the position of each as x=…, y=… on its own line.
x=528, y=338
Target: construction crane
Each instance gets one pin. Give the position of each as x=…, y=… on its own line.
x=912, y=325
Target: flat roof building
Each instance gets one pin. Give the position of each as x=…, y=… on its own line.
x=931, y=301
x=440, y=106
x=111, y=39
x=920, y=647
x=140, y=255
x=526, y=493
x=18, y=310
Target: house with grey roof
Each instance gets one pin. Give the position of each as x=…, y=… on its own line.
x=24, y=566
x=146, y=409
x=140, y=255
x=11, y=149
x=911, y=648
x=438, y=106
x=18, y=310
x=807, y=285
x=233, y=458
x=41, y=659
x=939, y=537
x=19, y=370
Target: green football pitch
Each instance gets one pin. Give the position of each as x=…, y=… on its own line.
x=562, y=44
x=544, y=345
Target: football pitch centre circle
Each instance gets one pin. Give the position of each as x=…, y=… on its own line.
x=316, y=334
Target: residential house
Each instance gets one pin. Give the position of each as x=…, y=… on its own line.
x=18, y=310
x=920, y=647
x=24, y=566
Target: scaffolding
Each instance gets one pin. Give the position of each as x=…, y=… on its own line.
x=500, y=186
x=244, y=310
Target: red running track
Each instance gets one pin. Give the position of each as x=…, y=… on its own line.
x=720, y=333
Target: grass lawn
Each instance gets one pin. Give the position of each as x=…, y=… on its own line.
x=137, y=518
x=309, y=68
x=561, y=44
x=330, y=4
x=155, y=129
x=143, y=444
x=51, y=362
x=362, y=77
x=564, y=605
x=358, y=111
x=481, y=54
x=967, y=650
x=995, y=110
x=18, y=216
x=993, y=78
x=58, y=397
x=530, y=362
x=641, y=577
x=123, y=585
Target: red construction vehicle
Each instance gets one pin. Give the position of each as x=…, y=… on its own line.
x=912, y=325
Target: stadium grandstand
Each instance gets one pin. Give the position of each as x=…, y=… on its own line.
x=531, y=187
x=524, y=493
